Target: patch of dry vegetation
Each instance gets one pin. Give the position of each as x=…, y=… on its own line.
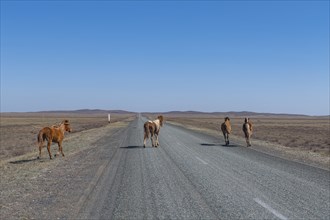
x=18, y=131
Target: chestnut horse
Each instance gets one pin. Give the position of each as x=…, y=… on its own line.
x=226, y=129
x=152, y=128
x=247, y=129
x=54, y=133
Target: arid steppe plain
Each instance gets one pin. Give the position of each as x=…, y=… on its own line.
x=304, y=137
x=39, y=189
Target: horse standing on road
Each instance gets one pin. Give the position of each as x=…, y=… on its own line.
x=54, y=133
x=247, y=129
x=226, y=129
x=151, y=129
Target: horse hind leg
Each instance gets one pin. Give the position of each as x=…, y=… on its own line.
x=40, y=147
x=227, y=142
x=48, y=148
x=153, y=140
x=247, y=139
x=60, y=150
x=226, y=139
x=145, y=140
x=249, y=142
x=157, y=142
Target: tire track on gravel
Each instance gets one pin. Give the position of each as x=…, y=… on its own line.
x=100, y=171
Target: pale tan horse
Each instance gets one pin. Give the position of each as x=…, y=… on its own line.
x=54, y=133
x=151, y=129
x=226, y=129
x=247, y=129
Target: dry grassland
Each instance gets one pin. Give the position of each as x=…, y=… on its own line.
x=18, y=131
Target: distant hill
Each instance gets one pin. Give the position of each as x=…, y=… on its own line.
x=169, y=113
x=88, y=111
x=233, y=114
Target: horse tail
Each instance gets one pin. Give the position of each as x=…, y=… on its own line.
x=226, y=128
x=146, y=130
x=223, y=128
x=45, y=133
x=41, y=137
x=246, y=129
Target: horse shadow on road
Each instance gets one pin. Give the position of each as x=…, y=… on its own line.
x=24, y=161
x=222, y=145
x=131, y=147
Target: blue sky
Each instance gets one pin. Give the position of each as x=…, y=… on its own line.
x=261, y=56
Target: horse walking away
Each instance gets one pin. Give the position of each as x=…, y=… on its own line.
x=151, y=129
x=54, y=133
x=247, y=129
x=226, y=129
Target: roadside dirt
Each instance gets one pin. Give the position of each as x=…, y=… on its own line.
x=47, y=189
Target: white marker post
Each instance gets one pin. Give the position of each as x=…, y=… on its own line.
x=109, y=118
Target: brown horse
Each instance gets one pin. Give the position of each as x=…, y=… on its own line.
x=226, y=129
x=152, y=128
x=247, y=129
x=54, y=133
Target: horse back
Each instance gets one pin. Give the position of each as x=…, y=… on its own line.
x=246, y=129
x=226, y=127
x=57, y=134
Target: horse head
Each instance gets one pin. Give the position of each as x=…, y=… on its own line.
x=161, y=119
x=67, y=126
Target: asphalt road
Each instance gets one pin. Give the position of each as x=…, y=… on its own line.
x=192, y=176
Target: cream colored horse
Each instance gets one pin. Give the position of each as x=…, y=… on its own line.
x=152, y=128
x=247, y=129
x=226, y=129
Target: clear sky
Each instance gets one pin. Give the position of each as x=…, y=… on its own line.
x=261, y=56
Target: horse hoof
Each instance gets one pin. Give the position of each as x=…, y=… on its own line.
x=38, y=158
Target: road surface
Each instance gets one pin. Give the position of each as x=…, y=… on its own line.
x=192, y=176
